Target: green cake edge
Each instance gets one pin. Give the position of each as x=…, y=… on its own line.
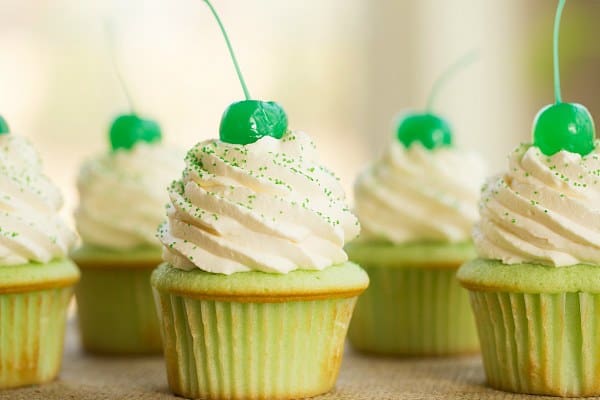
x=343, y=280
x=87, y=255
x=411, y=255
x=38, y=276
x=493, y=275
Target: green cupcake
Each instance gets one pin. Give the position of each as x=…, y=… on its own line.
x=36, y=279
x=121, y=202
x=536, y=287
x=256, y=293
x=416, y=205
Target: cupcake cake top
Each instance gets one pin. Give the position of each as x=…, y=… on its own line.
x=31, y=229
x=122, y=193
x=418, y=194
x=268, y=206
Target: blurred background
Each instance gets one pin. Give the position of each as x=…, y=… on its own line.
x=343, y=69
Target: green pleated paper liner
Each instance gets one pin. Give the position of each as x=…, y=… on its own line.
x=32, y=326
x=244, y=350
x=116, y=311
x=545, y=343
x=413, y=312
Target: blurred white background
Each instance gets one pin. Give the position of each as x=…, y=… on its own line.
x=343, y=69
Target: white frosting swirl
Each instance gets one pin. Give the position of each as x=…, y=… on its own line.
x=122, y=195
x=267, y=206
x=545, y=210
x=31, y=229
x=417, y=194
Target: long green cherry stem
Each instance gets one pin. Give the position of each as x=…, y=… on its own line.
x=449, y=73
x=110, y=36
x=559, y=10
x=231, y=52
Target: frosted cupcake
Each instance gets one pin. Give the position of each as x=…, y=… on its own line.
x=36, y=277
x=122, y=198
x=535, y=287
x=417, y=205
x=256, y=292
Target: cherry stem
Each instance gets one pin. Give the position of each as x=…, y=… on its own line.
x=449, y=73
x=559, y=10
x=110, y=35
x=235, y=63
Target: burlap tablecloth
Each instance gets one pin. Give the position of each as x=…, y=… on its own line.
x=361, y=378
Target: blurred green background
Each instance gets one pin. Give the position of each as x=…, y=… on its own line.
x=343, y=69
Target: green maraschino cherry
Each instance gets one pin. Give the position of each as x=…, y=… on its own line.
x=246, y=121
x=563, y=126
x=429, y=129
x=128, y=129
x=4, y=129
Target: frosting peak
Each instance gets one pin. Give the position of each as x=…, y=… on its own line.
x=267, y=206
x=415, y=194
x=31, y=229
x=545, y=210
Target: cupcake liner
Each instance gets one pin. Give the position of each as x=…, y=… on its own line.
x=116, y=311
x=251, y=350
x=545, y=343
x=413, y=312
x=32, y=326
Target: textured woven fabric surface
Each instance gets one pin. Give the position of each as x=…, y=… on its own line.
x=361, y=378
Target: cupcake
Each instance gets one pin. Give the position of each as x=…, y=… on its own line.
x=256, y=291
x=122, y=198
x=535, y=288
x=36, y=277
x=417, y=205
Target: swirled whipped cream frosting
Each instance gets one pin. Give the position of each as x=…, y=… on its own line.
x=544, y=210
x=268, y=206
x=31, y=229
x=122, y=195
x=415, y=194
